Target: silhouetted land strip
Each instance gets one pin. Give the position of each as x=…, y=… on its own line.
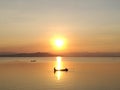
x=45, y=54
x=38, y=54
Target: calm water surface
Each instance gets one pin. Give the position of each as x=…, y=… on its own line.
x=85, y=73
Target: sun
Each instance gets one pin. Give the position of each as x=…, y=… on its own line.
x=59, y=43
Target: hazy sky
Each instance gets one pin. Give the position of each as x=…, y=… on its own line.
x=87, y=25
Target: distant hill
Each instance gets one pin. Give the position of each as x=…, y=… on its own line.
x=45, y=54
x=37, y=54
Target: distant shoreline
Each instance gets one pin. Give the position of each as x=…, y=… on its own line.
x=44, y=54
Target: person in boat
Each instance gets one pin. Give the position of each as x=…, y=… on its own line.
x=54, y=69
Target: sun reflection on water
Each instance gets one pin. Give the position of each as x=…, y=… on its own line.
x=58, y=75
x=58, y=67
x=59, y=62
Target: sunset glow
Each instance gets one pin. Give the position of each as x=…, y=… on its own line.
x=59, y=44
x=59, y=26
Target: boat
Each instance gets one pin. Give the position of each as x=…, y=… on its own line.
x=33, y=61
x=65, y=69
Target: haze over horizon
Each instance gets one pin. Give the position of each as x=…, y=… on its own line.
x=86, y=25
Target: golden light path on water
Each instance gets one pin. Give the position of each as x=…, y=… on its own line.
x=58, y=75
x=58, y=66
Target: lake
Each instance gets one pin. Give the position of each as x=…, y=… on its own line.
x=85, y=73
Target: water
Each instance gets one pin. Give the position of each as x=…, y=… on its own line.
x=85, y=73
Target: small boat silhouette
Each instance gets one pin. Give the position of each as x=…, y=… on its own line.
x=65, y=69
x=33, y=61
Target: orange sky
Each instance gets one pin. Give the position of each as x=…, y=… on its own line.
x=87, y=26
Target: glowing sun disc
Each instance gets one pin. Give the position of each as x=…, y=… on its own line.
x=59, y=43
